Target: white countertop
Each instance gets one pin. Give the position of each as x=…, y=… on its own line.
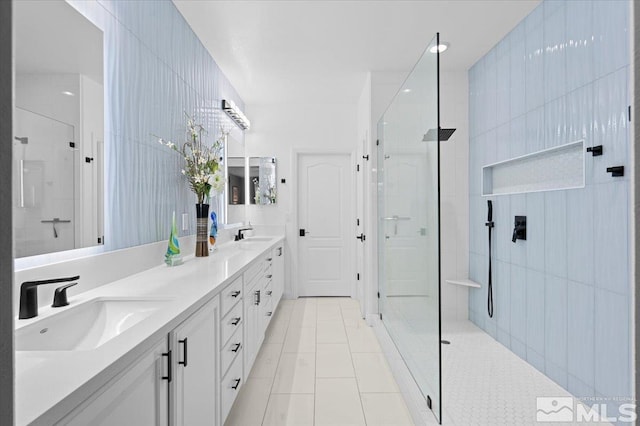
x=50, y=384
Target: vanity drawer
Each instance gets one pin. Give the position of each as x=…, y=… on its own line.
x=230, y=386
x=231, y=350
x=230, y=296
x=252, y=272
x=231, y=322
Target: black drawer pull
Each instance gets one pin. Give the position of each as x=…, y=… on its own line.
x=184, y=351
x=269, y=276
x=235, y=293
x=269, y=259
x=269, y=314
x=168, y=376
x=237, y=347
x=257, y=294
x=236, y=385
x=269, y=293
x=236, y=321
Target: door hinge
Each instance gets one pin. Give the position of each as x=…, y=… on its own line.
x=358, y=277
x=629, y=112
x=429, y=404
x=380, y=316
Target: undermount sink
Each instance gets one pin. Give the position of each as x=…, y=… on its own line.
x=87, y=325
x=250, y=239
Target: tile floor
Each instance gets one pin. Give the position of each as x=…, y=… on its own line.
x=320, y=364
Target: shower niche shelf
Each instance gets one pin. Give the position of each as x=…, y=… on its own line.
x=464, y=282
x=560, y=167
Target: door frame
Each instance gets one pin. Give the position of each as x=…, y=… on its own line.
x=296, y=153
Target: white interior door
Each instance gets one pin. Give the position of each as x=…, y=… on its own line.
x=325, y=266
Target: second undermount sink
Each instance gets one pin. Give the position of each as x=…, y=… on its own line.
x=87, y=325
x=261, y=239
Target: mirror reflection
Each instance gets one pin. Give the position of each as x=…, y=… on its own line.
x=235, y=169
x=58, y=129
x=262, y=180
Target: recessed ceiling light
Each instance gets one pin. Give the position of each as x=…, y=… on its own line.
x=406, y=90
x=66, y=92
x=440, y=48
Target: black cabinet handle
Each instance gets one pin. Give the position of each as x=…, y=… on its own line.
x=236, y=321
x=269, y=314
x=236, y=385
x=235, y=293
x=169, y=364
x=269, y=276
x=279, y=251
x=269, y=259
x=269, y=293
x=184, y=351
x=257, y=297
x=237, y=347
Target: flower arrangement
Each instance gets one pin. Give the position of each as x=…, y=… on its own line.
x=202, y=162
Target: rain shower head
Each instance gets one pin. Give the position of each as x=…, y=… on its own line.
x=445, y=134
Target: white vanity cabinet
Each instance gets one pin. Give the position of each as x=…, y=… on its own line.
x=253, y=329
x=177, y=378
x=194, y=345
x=277, y=282
x=139, y=396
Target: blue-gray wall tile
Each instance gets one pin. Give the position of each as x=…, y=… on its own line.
x=535, y=230
x=580, y=235
x=535, y=311
x=554, y=34
x=555, y=233
x=581, y=323
x=518, y=303
x=611, y=236
x=555, y=312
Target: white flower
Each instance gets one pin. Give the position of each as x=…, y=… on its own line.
x=216, y=181
x=183, y=172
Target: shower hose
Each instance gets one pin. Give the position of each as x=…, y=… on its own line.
x=489, y=224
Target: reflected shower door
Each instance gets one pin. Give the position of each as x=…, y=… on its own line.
x=409, y=226
x=43, y=184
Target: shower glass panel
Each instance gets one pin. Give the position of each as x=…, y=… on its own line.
x=408, y=225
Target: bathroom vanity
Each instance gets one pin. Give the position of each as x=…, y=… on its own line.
x=164, y=346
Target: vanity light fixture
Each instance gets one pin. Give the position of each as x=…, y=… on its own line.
x=235, y=114
x=439, y=48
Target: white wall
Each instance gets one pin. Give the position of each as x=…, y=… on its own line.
x=278, y=130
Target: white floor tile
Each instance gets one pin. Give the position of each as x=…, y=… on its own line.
x=276, y=331
x=338, y=403
x=267, y=360
x=334, y=360
x=250, y=404
x=296, y=373
x=290, y=410
x=362, y=339
x=331, y=332
x=385, y=409
x=373, y=373
x=328, y=312
x=300, y=340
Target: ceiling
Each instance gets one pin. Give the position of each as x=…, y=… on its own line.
x=320, y=51
x=52, y=37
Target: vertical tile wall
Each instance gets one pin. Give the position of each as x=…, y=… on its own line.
x=562, y=297
x=156, y=69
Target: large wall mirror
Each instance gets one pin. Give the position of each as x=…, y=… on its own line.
x=58, y=140
x=235, y=190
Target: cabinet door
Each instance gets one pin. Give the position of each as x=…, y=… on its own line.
x=140, y=396
x=252, y=326
x=278, y=275
x=195, y=345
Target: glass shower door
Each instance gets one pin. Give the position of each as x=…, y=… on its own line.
x=408, y=225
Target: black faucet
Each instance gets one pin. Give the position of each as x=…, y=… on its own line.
x=240, y=236
x=29, y=295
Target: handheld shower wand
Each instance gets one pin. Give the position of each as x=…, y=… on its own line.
x=490, y=225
